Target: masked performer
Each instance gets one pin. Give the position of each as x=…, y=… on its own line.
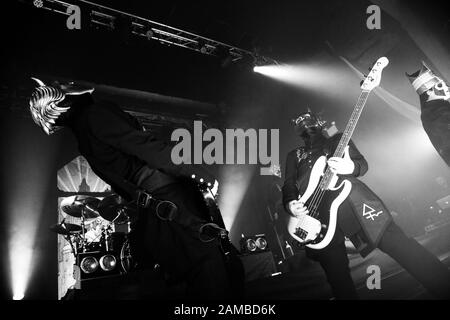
x=174, y=228
x=362, y=217
x=435, y=105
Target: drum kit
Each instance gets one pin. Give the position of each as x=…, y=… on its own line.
x=103, y=231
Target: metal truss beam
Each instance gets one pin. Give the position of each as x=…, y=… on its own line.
x=106, y=17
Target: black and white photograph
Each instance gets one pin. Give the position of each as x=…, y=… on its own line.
x=224, y=159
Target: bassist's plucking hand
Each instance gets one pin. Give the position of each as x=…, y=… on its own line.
x=297, y=208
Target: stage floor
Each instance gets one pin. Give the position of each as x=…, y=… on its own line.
x=307, y=282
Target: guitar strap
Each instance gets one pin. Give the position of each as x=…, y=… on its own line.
x=140, y=196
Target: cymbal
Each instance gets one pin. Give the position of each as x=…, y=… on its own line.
x=65, y=228
x=115, y=209
x=74, y=206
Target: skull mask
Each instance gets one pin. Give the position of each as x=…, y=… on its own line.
x=48, y=103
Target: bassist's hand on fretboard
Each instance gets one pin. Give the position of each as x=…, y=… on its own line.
x=343, y=165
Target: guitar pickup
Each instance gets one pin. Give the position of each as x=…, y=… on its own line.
x=301, y=233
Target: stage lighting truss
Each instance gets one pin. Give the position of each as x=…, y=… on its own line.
x=106, y=17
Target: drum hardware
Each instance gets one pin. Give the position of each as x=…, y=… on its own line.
x=113, y=259
x=116, y=209
x=65, y=228
x=98, y=249
x=81, y=206
x=69, y=231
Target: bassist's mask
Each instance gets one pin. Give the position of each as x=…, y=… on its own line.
x=307, y=124
x=49, y=103
x=428, y=85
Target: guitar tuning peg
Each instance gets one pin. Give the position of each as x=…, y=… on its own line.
x=370, y=69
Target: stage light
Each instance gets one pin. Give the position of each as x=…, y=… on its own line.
x=98, y=264
x=260, y=62
x=24, y=206
x=321, y=78
x=253, y=244
x=250, y=245
x=235, y=181
x=108, y=262
x=21, y=259
x=89, y=264
x=38, y=4
x=18, y=296
x=261, y=243
x=28, y=182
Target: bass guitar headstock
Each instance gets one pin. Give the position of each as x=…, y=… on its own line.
x=373, y=79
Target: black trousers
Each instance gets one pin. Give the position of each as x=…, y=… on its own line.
x=176, y=247
x=409, y=254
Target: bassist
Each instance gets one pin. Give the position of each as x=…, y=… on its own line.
x=366, y=230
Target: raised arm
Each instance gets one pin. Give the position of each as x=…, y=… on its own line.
x=290, y=189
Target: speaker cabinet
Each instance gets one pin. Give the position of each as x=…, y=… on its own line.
x=258, y=265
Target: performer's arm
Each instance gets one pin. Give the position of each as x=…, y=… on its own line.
x=289, y=189
x=113, y=130
x=361, y=165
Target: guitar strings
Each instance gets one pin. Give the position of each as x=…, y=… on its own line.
x=323, y=185
x=319, y=193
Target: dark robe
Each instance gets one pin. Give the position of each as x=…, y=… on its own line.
x=124, y=155
x=435, y=118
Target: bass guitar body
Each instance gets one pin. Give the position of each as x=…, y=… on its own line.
x=317, y=228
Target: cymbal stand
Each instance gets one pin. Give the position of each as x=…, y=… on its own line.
x=82, y=229
x=107, y=237
x=69, y=239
